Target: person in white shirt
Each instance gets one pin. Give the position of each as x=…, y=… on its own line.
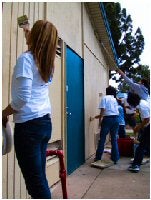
x=109, y=124
x=31, y=107
x=144, y=109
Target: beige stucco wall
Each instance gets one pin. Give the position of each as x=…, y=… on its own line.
x=67, y=19
x=75, y=29
x=13, y=45
x=96, y=80
x=95, y=85
x=79, y=33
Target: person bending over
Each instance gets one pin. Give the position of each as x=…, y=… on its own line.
x=142, y=88
x=144, y=109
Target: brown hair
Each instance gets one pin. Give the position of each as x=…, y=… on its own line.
x=43, y=43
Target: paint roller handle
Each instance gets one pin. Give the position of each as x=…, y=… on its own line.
x=120, y=72
x=92, y=118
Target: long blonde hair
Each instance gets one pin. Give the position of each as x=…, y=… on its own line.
x=43, y=43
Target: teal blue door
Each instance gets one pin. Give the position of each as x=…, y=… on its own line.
x=75, y=110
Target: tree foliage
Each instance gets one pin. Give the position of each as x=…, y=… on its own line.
x=129, y=44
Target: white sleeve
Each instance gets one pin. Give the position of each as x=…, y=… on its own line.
x=102, y=103
x=23, y=91
x=144, y=112
x=23, y=67
x=134, y=86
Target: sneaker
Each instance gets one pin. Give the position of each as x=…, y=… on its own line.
x=131, y=161
x=134, y=168
x=144, y=161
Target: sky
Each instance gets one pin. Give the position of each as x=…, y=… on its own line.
x=140, y=11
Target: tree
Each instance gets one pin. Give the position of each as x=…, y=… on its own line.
x=141, y=72
x=128, y=44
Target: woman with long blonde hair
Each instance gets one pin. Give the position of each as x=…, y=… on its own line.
x=31, y=107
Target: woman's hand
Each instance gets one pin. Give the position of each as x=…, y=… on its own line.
x=5, y=113
x=91, y=118
x=4, y=121
x=4, y=118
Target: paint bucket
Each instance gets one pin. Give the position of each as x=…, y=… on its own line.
x=126, y=147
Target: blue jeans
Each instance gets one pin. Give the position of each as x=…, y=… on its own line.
x=121, y=131
x=143, y=146
x=30, y=140
x=110, y=125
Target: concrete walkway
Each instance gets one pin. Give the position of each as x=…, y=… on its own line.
x=115, y=182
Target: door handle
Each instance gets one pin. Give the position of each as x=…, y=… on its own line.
x=67, y=113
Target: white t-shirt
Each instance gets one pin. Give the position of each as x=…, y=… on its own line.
x=130, y=110
x=30, y=95
x=109, y=103
x=144, y=109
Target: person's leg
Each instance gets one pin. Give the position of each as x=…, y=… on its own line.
x=143, y=145
x=139, y=153
x=126, y=119
x=103, y=133
x=121, y=131
x=114, y=135
x=43, y=153
x=132, y=121
x=27, y=139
